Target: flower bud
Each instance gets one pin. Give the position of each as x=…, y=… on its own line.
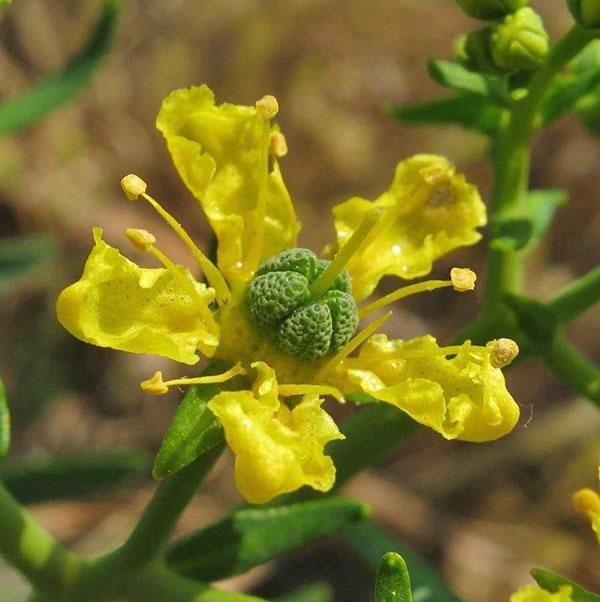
x=586, y=12
x=489, y=10
x=476, y=51
x=520, y=41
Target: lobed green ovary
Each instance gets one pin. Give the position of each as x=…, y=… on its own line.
x=281, y=307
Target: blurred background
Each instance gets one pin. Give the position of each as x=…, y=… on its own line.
x=483, y=514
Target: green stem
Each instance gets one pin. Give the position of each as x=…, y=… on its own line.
x=32, y=550
x=160, y=517
x=572, y=367
x=577, y=297
x=512, y=163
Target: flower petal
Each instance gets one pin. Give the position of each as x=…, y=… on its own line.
x=277, y=449
x=429, y=211
x=221, y=153
x=120, y=305
x=461, y=398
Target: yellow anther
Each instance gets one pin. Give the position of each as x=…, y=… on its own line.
x=290, y=390
x=278, y=144
x=142, y=240
x=133, y=186
x=504, y=351
x=434, y=175
x=155, y=385
x=463, y=279
x=267, y=106
x=586, y=501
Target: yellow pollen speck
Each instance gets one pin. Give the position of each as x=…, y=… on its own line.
x=133, y=186
x=586, y=500
x=463, y=279
x=267, y=106
x=142, y=240
x=278, y=144
x=154, y=385
x=503, y=352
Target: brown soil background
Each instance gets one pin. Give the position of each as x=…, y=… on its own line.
x=483, y=514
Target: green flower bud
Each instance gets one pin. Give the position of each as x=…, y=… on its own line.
x=586, y=12
x=520, y=41
x=280, y=305
x=478, y=53
x=489, y=10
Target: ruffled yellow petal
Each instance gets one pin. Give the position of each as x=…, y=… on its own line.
x=120, y=305
x=222, y=155
x=534, y=593
x=429, y=210
x=464, y=397
x=277, y=449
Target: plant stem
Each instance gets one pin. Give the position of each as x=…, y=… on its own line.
x=577, y=297
x=512, y=157
x=32, y=550
x=160, y=517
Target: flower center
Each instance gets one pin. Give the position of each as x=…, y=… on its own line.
x=282, y=305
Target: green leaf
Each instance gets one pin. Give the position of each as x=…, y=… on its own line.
x=455, y=76
x=566, y=92
x=537, y=320
x=473, y=112
x=4, y=422
x=72, y=475
x=393, y=581
x=318, y=592
x=523, y=231
x=60, y=87
x=249, y=537
x=194, y=428
x=23, y=258
x=552, y=582
x=371, y=542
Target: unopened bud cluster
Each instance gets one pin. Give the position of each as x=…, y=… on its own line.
x=516, y=41
x=280, y=305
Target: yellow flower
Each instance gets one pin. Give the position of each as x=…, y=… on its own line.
x=587, y=501
x=463, y=397
x=286, y=312
x=277, y=449
x=534, y=593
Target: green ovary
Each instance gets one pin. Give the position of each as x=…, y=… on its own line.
x=281, y=307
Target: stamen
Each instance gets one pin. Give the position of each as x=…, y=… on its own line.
x=143, y=241
x=267, y=106
x=156, y=385
x=586, y=500
x=504, y=351
x=351, y=345
x=130, y=185
x=278, y=144
x=289, y=390
x=463, y=279
x=321, y=285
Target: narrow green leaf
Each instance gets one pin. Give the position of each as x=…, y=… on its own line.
x=454, y=75
x=552, y=582
x=371, y=542
x=579, y=296
x=4, y=422
x=473, y=112
x=60, y=87
x=249, y=537
x=318, y=592
x=194, y=428
x=566, y=92
x=23, y=258
x=393, y=581
x=73, y=475
x=524, y=230
x=537, y=320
